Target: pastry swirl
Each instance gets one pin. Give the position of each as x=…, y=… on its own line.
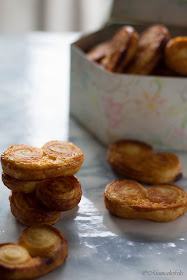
x=12, y=254
x=160, y=168
x=161, y=203
x=40, y=240
x=27, y=209
x=32, y=257
x=137, y=160
x=54, y=159
x=60, y=194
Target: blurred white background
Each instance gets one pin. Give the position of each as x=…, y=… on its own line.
x=53, y=15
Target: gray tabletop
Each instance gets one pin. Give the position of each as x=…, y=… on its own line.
x=34, y=108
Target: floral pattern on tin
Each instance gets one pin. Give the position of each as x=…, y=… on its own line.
x=149, y=104
x=114, y=111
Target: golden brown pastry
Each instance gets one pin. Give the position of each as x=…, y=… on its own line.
x=161, y=203
x=176, y=55
x=160, y=168
x=54, y=159
x=137, y=160
x=41, y=240
x=19, y=185
x=41, y=249
x=128, y=149
x=126, y=156
x=151, y=47
x=27, y=209
x=16, y=262
x=98, y=52
x=122, y=49
x=61, y=194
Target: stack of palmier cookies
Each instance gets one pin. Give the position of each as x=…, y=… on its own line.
x=150, y=53
x=42, y=180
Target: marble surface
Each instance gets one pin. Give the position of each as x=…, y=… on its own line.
x=34, y=109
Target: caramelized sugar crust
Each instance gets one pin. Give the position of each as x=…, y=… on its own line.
x=60, y=194
x=40, y=249
x=136, y=160
x=151, y=47
x=27, y=209
x=176, y=55
x=54, y=159
x=98, y=52
x=161, y=203
x=121, y=50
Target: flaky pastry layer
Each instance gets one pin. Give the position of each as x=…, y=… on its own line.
x=19, y=185
x=27, y=209
x=32, y=257
x=54, y=159
x=61, y=194
x=161, y=203
x=137, y=160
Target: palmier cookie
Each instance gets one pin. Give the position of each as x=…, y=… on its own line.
x=54, y=159
x=126, y=156
x=136, y=160
x=61, y=194
x=41, y=249
x=176, y=55
x=19, y=185
x=151, y=47
x=122, y=49
x=27, y=209
x=98, y=52
x=161, y=203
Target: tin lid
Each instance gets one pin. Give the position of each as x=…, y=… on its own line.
x=171, y=12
